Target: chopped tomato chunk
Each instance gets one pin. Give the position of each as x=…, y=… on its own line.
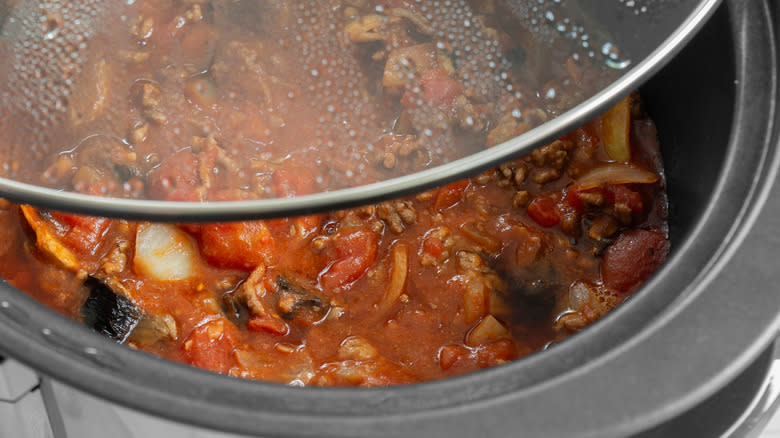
x=176, y=179
x=355, y=252
x=84, y=233
x=271, y=325
x=238, y=245
x=496, y=353
x=433, y=246
x=544, y=211
x=290, y=182
x=572, y=199
x=620, y=194
x=450, y=194
x=450, y=354
x=437, y=88
x=211, y=346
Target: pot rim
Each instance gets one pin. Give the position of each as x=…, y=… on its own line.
x=510, y=396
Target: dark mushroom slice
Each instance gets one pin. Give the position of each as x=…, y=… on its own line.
x=196, y=44
x=289, y=300
x=116, y=316
x=98, y=159
x=530, y=301
x=235, y=308
x=109, y=313
x=538, y=291
x=151, y=329
x=293, y=300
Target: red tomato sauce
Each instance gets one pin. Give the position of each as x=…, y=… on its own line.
x=470, y=275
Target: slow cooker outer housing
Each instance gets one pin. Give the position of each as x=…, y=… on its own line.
x=702, y=319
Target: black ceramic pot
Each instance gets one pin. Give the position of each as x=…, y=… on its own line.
x=689, y=332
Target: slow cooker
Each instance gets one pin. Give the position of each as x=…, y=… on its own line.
x=690, y=354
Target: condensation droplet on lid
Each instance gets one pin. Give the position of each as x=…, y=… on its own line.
x=618, y=64
x=607, y=49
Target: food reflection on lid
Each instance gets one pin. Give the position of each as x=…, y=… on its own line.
x=206, y=101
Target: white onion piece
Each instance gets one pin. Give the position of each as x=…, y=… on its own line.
x=489, y=329
x=163, y=252
x=580, y=294
x=397, y=277
x=615, y=173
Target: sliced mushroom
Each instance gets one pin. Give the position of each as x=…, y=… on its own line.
x=107, y=312
x=366, y=28
x=404, y=64
x=196, y=45
x=235, y=307
x=293, y=301
x=94, y=86
x=151, y=329
x=277, y=299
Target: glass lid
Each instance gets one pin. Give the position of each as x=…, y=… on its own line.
x=204, y=110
